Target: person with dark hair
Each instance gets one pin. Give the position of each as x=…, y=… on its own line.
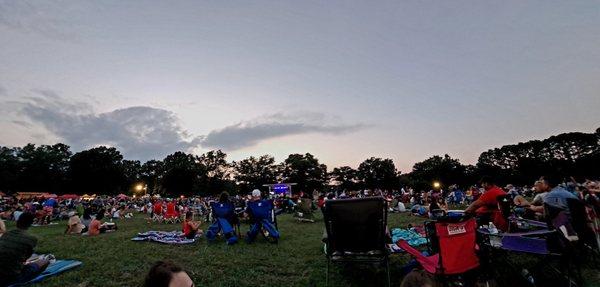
x=417, y=278
x=16, y=246
x=557, y=197
x=167, y=274
x=486, y=206
x=190, y=227
x=96, y=226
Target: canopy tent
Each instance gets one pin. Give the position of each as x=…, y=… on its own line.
x=69, y=196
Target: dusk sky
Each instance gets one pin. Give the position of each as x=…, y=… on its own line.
x=342, y=80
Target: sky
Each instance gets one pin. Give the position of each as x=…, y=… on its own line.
x=343, y=80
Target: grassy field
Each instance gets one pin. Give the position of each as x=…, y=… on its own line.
x=114, y=260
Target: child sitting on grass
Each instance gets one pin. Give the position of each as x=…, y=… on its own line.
x=190, y=227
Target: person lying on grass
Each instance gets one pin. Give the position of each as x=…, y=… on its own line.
x=190, y=227
x=167, y=274
x=16, y=246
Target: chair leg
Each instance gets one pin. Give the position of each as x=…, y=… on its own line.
x=327, y=274
x=387, y=269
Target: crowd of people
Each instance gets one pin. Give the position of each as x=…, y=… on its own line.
x=86, y=217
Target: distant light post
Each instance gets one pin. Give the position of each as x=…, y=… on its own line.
x=436, y=184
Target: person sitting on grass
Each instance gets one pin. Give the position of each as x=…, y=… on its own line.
x=167, y=274
x=74, y=225
x=2, y=227
x=16, y=246
x=190, y=227
x=96, y=226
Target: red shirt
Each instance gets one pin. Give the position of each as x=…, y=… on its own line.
x=187, y=229
x=489, y=199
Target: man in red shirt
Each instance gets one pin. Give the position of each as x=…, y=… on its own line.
x=486, y=206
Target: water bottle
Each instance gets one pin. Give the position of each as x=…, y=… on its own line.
x=495, y=240
x=525, y=273
x=492, y=228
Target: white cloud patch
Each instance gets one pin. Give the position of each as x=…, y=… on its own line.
x=143, y=133
x=139, y=132
x=249, y=133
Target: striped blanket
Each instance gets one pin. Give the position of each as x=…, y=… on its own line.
x=166, y=237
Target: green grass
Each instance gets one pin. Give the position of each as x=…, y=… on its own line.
x=114, y=260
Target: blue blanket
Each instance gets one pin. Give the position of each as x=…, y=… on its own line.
x=167, y=237
x=412, y=237
x=53, y=269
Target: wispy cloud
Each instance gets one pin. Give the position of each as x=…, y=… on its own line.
x=249, y=133
x=144, y=132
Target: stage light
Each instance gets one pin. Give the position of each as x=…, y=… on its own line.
x=436, y=184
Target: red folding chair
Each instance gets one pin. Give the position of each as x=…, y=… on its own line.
x=456, y=245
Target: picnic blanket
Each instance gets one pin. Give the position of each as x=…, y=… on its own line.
x=410, y=235
x=53, y=269
x=39, y=225
x=166, y=237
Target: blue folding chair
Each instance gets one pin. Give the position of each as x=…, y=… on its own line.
x=263, y=220
x=224, y=222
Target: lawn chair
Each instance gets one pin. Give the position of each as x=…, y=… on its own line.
x=224, y=222
x=262, y=220
x=356, y=232
x=171, y=215
x=157, y=213
x=453, y=245
x=583, y=222
x=553, y=246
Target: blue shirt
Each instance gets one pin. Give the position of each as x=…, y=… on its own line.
x=558, y=196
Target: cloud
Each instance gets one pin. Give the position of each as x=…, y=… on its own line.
x=144, y=133
x=138, y=132
x=250, y=133
x=44, y=18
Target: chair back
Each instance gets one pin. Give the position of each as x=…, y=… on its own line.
x=222, y=209
x=456, y=245
x=355, y=225
x=505, y=205
x=581, y=222
x=261, y=209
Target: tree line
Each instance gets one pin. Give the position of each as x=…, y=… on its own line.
x=104, y=170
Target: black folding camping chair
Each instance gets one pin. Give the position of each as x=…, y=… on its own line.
x=356, y=232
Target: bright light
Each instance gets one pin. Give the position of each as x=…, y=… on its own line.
x=436, y=184
x=139, y=187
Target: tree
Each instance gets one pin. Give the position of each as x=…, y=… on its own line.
x=377, y=173
x=252, y=172
x=304, y=170
x=9, y=169
x=133, y=172
x=444, y=169
x=183, y=174
x=43, y=168
x=98, y=170
x=345, y=178
x=151, y=173
x=218, y=171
